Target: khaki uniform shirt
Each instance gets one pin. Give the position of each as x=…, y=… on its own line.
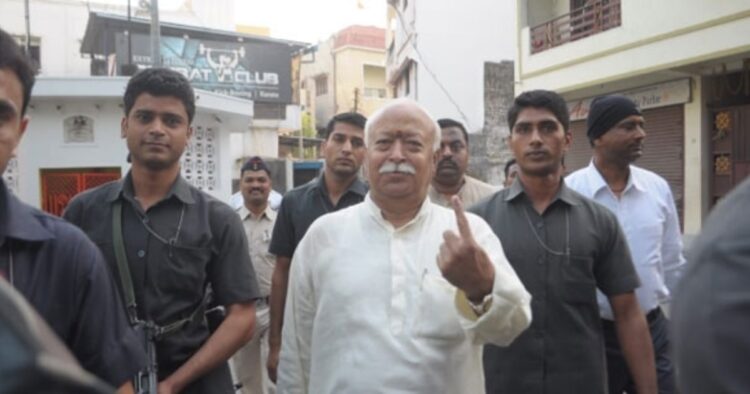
x=258, y=231
x=471, y=192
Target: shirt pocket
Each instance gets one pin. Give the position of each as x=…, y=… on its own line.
x=437, y=315
x=578, y=283
x=184, y=269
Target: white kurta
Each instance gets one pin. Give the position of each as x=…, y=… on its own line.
x=368, y=310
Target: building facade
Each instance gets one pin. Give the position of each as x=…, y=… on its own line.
x=437, y=50
x=343, y=74
x=73, y=141
x=77, y=39
x=687, y=64
x=58, y=26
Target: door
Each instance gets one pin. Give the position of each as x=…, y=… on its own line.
x=730, y=149
x=61, y=185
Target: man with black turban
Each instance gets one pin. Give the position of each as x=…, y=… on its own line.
x=645, y=208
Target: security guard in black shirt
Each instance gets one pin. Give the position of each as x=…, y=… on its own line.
x=176, y=240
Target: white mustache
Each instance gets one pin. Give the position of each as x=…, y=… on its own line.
x=404, y=168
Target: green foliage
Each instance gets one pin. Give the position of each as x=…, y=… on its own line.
x=307, y=126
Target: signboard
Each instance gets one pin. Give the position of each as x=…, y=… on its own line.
x=654, y=96
x=259, y=71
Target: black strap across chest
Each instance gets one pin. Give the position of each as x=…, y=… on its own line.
x=126, y=281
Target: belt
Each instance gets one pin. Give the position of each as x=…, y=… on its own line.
x=263, y=300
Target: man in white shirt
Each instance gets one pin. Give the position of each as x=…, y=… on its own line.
x=398, y=294
x=645, y=208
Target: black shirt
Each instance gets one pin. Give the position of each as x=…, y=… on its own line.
x=64, y=277
x=711, y=307
x=209, y=247
x=562, y=351
x=301, y=206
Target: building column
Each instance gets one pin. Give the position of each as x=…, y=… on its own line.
x=696, y=163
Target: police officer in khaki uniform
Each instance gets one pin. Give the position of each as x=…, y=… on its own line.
x=258, y=219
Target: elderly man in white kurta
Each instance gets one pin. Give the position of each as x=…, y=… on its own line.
x=397, y=294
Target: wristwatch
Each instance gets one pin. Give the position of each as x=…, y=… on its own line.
x=482, y=307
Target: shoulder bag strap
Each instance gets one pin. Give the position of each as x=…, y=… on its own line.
x=122, y=262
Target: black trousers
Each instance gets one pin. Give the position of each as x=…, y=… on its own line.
x=618, y=376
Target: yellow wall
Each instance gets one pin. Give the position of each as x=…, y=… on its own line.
x=254, y=30
x=350, y=75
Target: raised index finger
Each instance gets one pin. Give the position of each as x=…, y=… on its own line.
x=463, y=222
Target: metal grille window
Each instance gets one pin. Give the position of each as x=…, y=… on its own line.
x=590, y=18
x=321, y=85
x=59, y=186
x=269, y=110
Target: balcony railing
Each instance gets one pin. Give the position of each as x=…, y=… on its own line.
x=585, y=21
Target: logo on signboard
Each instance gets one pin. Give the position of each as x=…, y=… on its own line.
x=223, y=61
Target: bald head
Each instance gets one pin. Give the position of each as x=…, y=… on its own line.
x=402, y=143
x=404, y=111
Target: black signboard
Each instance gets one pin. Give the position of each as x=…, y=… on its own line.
x=259, y=71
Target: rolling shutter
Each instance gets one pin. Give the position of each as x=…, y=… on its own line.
x=663, y=152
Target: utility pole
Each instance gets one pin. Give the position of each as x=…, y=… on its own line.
x=155, y=35
x=130, y=37
x=356, y=100
x=28, y=29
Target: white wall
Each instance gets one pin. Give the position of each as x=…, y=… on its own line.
x=262, y=141
x=42, y=146
x=60, y=25
x=215, y=14
x=654, y=35
x=263, y=138
x=454, y=40
x=695, y=201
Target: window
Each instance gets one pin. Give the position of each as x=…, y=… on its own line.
x=375, y=92
x=321, y=85
x=263, y=110
x=374, y=77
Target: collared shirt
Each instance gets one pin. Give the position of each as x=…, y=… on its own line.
x=369, y=311
x=648, y=217
x=65, y=278
x=472, y=191
x=206, y=245
x=258, y=230
x=562, y=257
x=301, y=206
